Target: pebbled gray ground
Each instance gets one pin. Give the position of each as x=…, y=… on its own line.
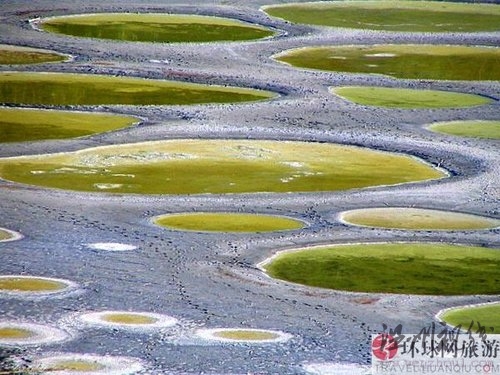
x=211, y=280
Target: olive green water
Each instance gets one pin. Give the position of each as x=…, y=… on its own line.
x=21, y=125
x=402, y=61
x=128, y=318
x=5, y=235
x=217, y=166
x=246, y=335
x=408, y=98
x=82, y=89
x=15, y=333
x=417, y=219
x=418, y=16
x=16, y=55
x=227, y=222
x=29, y=284
x=160, y=28
x=76, y=366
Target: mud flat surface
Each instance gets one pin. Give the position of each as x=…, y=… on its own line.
x=210, y=280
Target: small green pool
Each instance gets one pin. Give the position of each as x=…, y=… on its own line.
x=227, y=222
x=417, y=219
x=408, y=98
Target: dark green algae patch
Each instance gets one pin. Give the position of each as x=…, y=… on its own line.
x=403, y=268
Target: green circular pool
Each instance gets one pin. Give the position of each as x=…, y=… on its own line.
x=417, y=219
x=227, y=222
x=411, y=16
x=217, y=167
x=407, y=61
x=403, y=268
x=408, y=98
x=470, y=129
x=22, y=125
x=59, y=89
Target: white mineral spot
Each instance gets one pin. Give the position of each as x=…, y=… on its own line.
x=328, y=368
x=111, y=246
x=381, y=55
x=293, y=164
x=124, y=175
x=104, y=186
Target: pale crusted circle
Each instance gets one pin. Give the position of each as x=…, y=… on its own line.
x=98, y=318
x=211, y=334
x=69, y=287
x=40, y=334
x=110, y=365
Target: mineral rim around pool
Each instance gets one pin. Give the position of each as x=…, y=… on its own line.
x=227, y=222
x=92, y=89
x=9, y=235
x=161, y=28
x=69, y=363
x=408, y=98
x=417, y=219
x=403, y=268
x=418, y=16
x=21, y=125
x=14, y=55
x=408, y=61
x=128, y=319
x=22, y=285
x=27, y=334
x=473, y=129
x=217, y=167
x=243, y=335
